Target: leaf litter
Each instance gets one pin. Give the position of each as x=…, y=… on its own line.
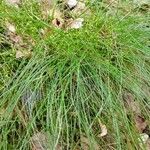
x=60, y=15
x=103, y=129
x=41, y=141
x=76, y=24
x=14, y=3
x=132, y=106
x=22, y=48
x=72, y=3
x=85, y=143
x=10, y=27
x=140, y=123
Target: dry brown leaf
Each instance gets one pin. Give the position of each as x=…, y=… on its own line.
x=14, y=3
x=140, y=123
x=10, y=27
x=21, y=54
x=134, y=107
x=57, y=22
x=103, y=129
x=23, y=48
x=16, y=39
x=72, y=3
x=79, y=8
x=46, y=4
x=57, y=15
x=76, y=24
x=11, y=34
x=131, y=104
x=85, y=143
x=58, y=147
x=143, y=139
x=39, y=141
x=48, y=9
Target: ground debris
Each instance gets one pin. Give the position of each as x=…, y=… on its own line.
x=131, y=104
x=22, y=46
x=79, y=9
x=10, y=27
x=103, y=129
x=76, y=24
x=41, y=141
x=23, y=54
x=72, y=3
x=140, y=123
x=14, y=3
x=85, y=143
x=133, y=107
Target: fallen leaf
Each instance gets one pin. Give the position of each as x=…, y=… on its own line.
x=48, y=9
x=79, y=8
x=58, y=147
x=148, y=144
x=143, y=140
x=131, y=104
x=16, y=39
x=134, y=107
x=57, y=22
x=85, y=143
x=21, y=54
x=103, y=129
x=56, y=13
x=10, y=27
x=147, y=129
x=39, y=141
x=43, y=31
x=14, y=3
x=11, y=34
x=72, y=3
x=76, y=24
x=140, y=123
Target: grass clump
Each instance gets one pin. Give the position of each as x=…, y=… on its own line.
x=73, y=79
